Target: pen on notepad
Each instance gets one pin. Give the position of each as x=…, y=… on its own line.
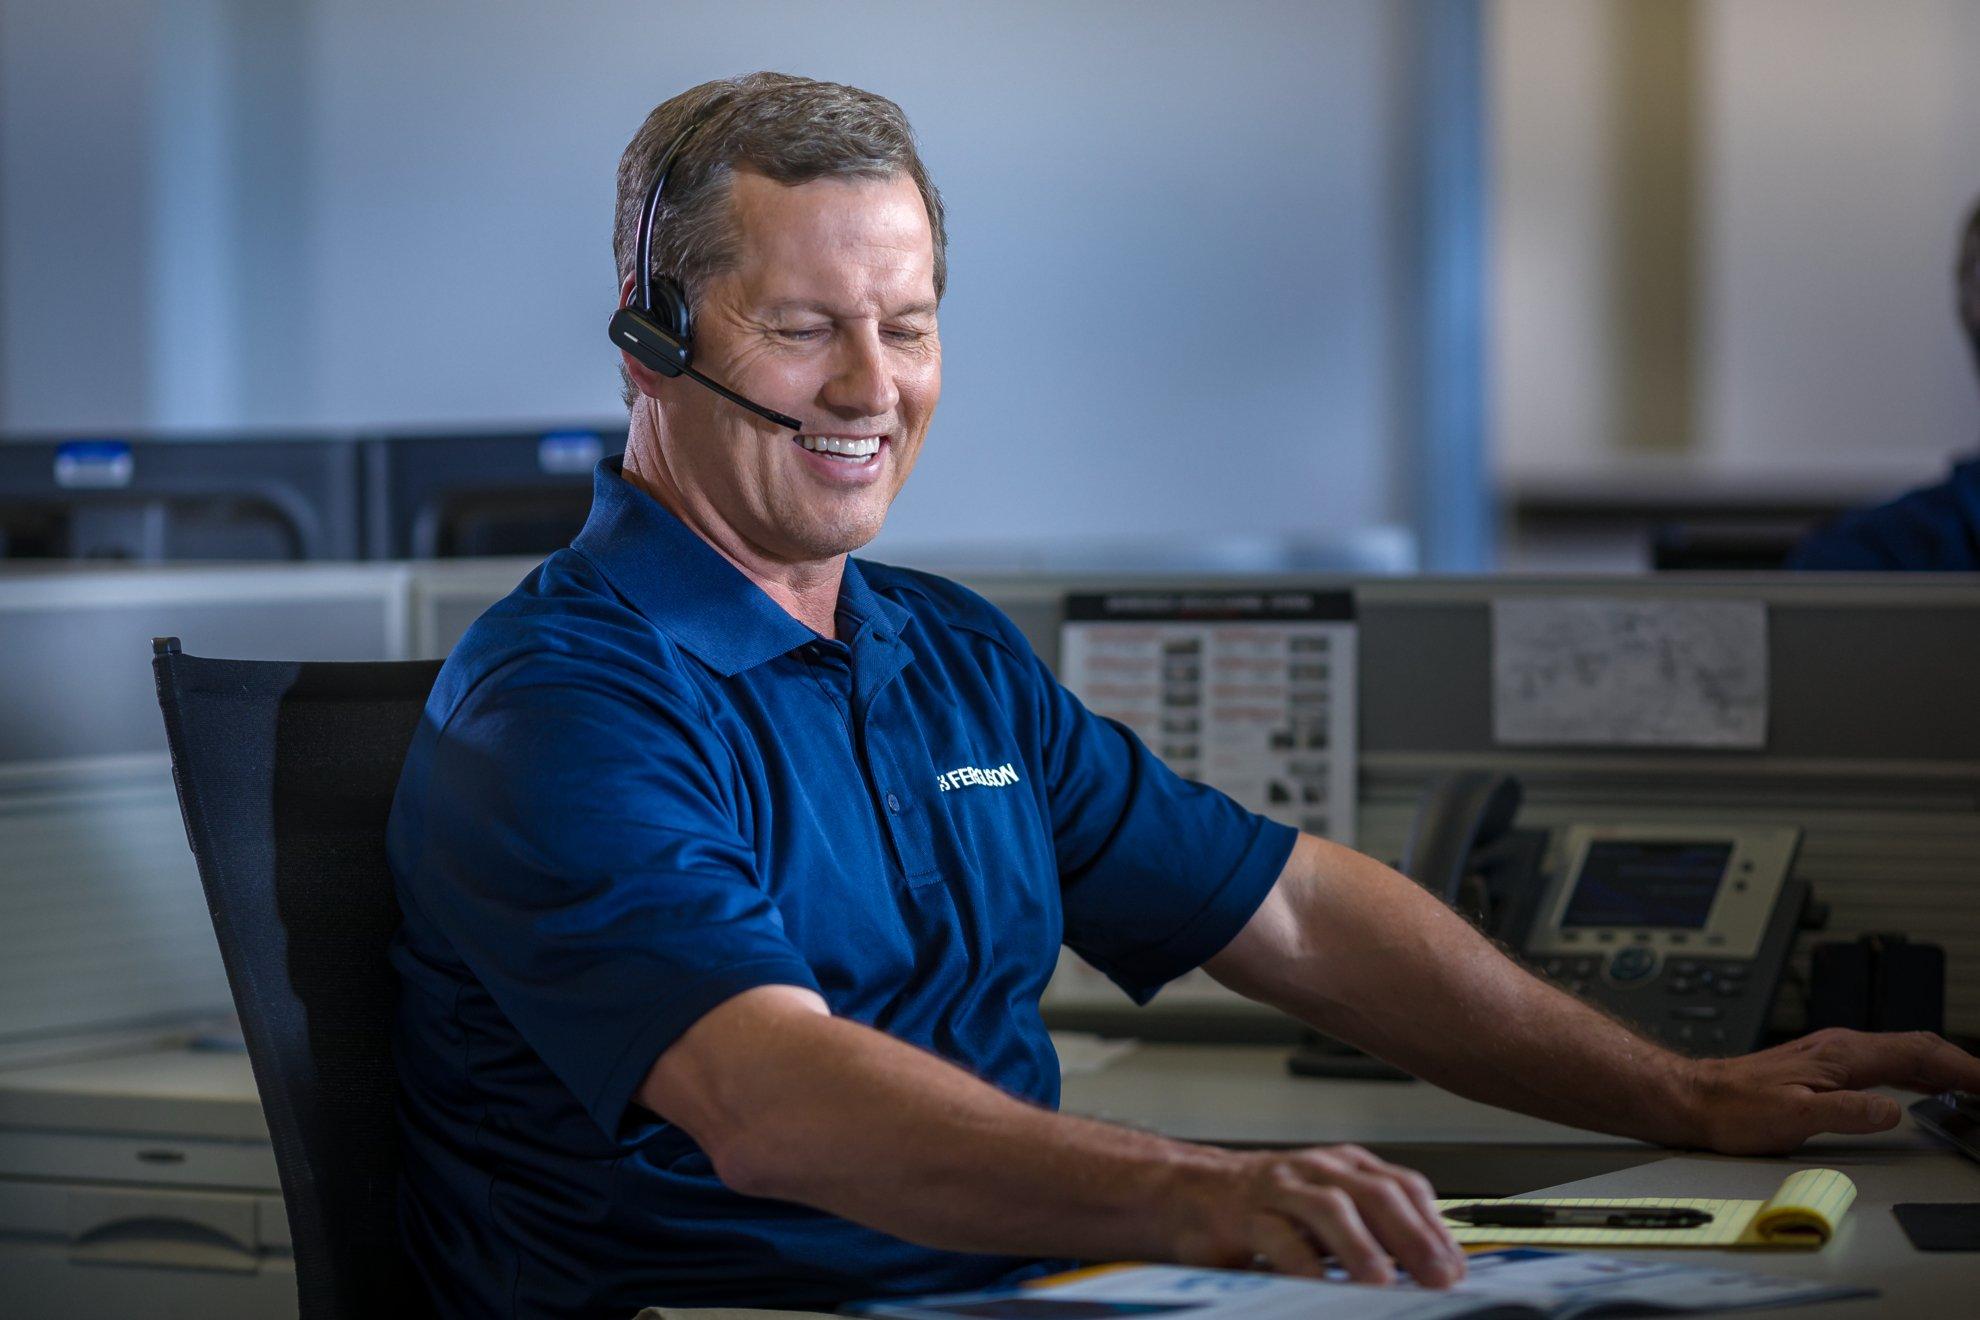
x=1512, y=1214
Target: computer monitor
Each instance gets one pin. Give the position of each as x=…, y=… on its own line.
x=482, y=493
x=154, y=499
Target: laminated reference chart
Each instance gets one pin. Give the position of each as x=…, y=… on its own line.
x=1252, y=693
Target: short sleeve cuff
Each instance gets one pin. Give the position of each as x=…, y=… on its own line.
x=1218, y=921
x=670, y=1020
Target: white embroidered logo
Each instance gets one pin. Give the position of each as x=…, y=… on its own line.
x=982, y=776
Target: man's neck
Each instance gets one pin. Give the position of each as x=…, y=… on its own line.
x=808, y=592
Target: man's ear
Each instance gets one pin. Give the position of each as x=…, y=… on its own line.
x=644, y=379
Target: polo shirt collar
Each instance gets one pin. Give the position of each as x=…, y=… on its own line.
x=684, y=586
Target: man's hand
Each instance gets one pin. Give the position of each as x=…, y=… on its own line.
x=1769, y=1103
x=1288, y=1210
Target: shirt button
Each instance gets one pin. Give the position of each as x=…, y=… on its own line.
x=893, y=804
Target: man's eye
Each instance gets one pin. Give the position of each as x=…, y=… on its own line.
x=802, y=333
x=903, y=335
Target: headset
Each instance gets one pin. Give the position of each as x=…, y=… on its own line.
x=658, y=330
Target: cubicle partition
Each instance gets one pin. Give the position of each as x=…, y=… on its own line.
x=1871, y=749
x=102, y=925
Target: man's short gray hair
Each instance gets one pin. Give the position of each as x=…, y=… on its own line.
x=792, y=130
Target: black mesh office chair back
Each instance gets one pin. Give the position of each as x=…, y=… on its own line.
x=285, y=774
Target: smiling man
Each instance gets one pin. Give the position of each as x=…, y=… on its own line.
x=733, y=868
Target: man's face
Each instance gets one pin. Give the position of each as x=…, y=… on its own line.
x=828, y=315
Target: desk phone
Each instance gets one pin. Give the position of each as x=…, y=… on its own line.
x=1683, y=930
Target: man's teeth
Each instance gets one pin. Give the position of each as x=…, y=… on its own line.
x=865, y=447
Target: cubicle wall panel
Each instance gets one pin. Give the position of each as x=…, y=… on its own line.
x=102, y=921
x=446, y=596
x=75, y=645
x=1896, y=681
x=1879, y=675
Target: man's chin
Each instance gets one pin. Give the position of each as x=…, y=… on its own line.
x=831, y=542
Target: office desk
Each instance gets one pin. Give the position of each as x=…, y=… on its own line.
x=140, y=1181
x=1243, y=1095
x=95, y=1122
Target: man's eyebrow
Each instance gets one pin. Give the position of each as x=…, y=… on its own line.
x=823, y=309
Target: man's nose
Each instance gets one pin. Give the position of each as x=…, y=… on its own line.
x=863, y=383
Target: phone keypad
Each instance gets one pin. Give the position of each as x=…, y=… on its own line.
x=1688, y=1003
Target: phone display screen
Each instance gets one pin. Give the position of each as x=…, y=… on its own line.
x=1634, y=883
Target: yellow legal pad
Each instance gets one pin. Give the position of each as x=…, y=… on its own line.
x=1804, y=1213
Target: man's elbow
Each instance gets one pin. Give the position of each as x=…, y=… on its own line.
x=756, y=1164
x=727, y=1084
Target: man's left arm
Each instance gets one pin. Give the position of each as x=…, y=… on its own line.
x=1365, y=955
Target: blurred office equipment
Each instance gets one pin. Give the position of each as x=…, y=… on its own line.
x=286, y=773
x=1880, y=982
x=1669, y=519
x=153, y=499
x=1378, y=549
x=478, y=494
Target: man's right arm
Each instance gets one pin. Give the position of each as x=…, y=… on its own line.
x=794, y=1104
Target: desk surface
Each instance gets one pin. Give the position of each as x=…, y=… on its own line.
x=1244, y=1095
x=1870, y=1250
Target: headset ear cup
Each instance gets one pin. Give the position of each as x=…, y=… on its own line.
x=652, y=346
x=670, y=313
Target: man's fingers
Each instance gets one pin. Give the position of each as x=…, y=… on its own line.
x=1421, y=1210
x=1939, y=1065
x=1420, y=1243
x=1850, y=1112
x=1281, y=1247
x=1914, y=1060
x=1329, y=1215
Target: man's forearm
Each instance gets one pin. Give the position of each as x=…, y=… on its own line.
x=852, y=1121
x=1402, y=976
x=793, y=1104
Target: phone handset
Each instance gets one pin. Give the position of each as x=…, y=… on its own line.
x=1459, y=815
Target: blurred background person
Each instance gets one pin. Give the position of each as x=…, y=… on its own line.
x=1932, y=529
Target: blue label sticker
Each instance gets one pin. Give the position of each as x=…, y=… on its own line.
x=565, y=453
x=93, y=464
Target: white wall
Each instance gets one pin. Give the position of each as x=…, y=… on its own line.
x=1171, y=254
x=1839, y=153
x=1844, y=157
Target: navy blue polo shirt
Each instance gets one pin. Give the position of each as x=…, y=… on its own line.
x=1934, y=529
x=640, y=788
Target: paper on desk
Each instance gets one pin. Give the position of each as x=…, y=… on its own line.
x=1601, y=672
x=1804, y=1213
x=1082, y=1052
x=1519, y=1282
